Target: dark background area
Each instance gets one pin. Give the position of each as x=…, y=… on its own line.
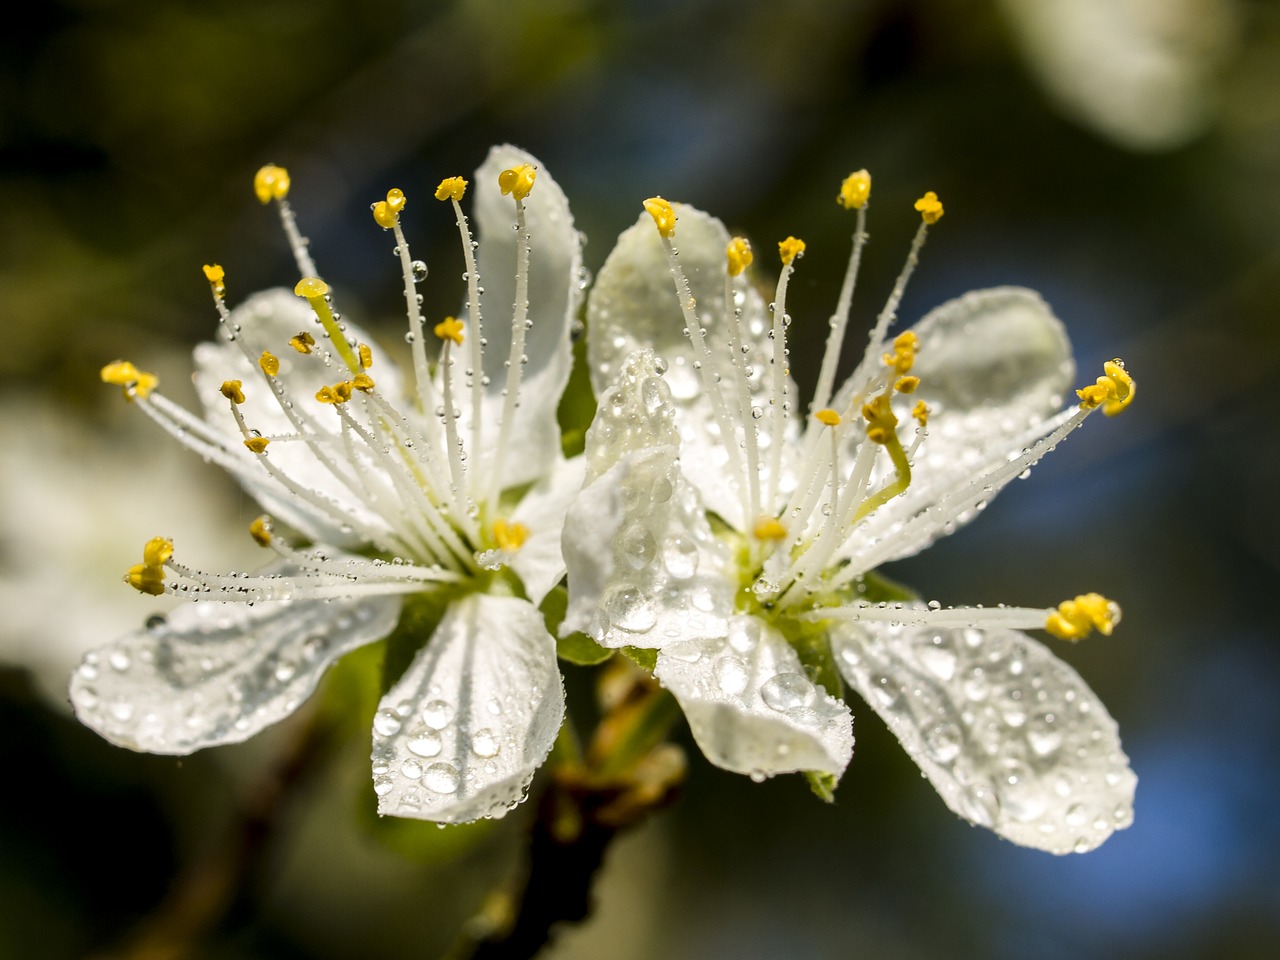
x=1125, y=163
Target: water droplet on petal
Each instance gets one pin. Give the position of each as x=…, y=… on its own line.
x=441, y=777
x=786, y=691
x=386, y=723
x=484, y=743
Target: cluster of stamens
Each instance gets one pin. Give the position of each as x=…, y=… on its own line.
x=421, y=502
x=804, y=520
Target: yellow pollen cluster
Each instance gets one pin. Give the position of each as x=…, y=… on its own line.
x=509, y=537
x=451, y=188
x=216, y=277
x=930, y=208
x=256, y=444
x=366, y=356
x=450, y=328
x=387, y=212
x=903, y=357
x=1113, y=391
x=921, y=413
x=148, y=576
x=362, y=382
x=828, y=417
x=882, y=423
x=664, y=216
x=1076, y=619
x=311, y=288
x=231, y=389
x=271, y=183
x=270, y=363
x=790, y=248
x=769, y=528
x=739, y=255
x=338, y=393
x=136, y=383
x=906, y=384
x=260, y=530
x=302, y=342
x=855, y=190
x=517, y=181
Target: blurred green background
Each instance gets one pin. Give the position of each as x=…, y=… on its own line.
x=1120, y=156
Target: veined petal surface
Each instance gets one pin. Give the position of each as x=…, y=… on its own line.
x=540, y=562
x=1009, y=735
x=218, y=672
x=461, y=733
x=750, y=706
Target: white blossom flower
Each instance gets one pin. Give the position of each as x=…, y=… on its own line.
x=453, y=501
x=739, y=540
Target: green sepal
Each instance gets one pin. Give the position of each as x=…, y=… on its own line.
x=877, y=588
x=421, y=614
x=576, y=648
x=814, y=650
x=577, y=404
x=822, y=784
x=646, y=658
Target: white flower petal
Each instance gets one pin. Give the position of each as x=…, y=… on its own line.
x=643, y=564
x=214, y=673
x=266, y=321
x=634, y=305
x=750, y=706
x=539, y=562
x=555, y=293
x=460, y=735
x=993, y=364
x=1009, y=735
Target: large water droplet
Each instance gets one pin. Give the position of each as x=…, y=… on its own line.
x=732, y=675
x=419, y=270
x=441, y=777
x=680, y=556
x=485, y=743
x=942, y=740
x=629, y=609
x=786, y=691
x=386, y=723
x=437, y=714
x=426, y=743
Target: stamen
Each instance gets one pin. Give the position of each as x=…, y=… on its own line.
x=136, y=383
x=769, y=528
x=315, y=291
x=449, y=330
x=509, y=537
x=855, y=191
x=366, y=356
x=257, y=444
x=216, y=277
x=664, y=216
x=272, y=183
x=1113, y=391
x=231, y=389
x=270, y=363
x=453, y=188
x=302, y=342
x=930, y=208
x=518, y=181
x=1076, y=619
x=906, y=384
x=789, y=250
x=738, y=257
x=260, y=530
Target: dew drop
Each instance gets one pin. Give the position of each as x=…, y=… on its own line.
x=786, y=691
x=383, y=785
x=441, y=777
x=386, y=723
x=680, y=556
x=438, y=714
x=732, y=675
x=942, y=740
x=419, y=270
x=426, y=743
x=119, y=661
x=411, y=770
x=485, y=743
x=629, y=609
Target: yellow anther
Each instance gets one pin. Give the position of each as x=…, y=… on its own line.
x=302, y=342
x=739, y=255
x=366, y=356
x=387, y=211
x=906, y=384
x=271, y=183
x=157, y=551
x=216, y=277
x=450, y=328
x=136, y=383
x=828, y=417
x=145, y=579
x=338, y=393
x=790, y=248
x=260, y=530
x=930, y=208
x=664, y=216
x=517, y=181
x=256, y=444
x=231, y=390
x=769, y=528
x=921, y=413
x=451, y=188
x=1113, y=391
x=903, y=357
x=882, y=424
x=362, y=382
x=270, y=363
x=509, y=536
x=855, y=190
x=311, y=288
x=1076, y=619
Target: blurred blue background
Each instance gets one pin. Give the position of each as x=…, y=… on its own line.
x=1120, y=156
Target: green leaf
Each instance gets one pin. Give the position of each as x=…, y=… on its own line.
x=822, y=784
x=643, y=657
x=577, y=404
x=576, y=647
